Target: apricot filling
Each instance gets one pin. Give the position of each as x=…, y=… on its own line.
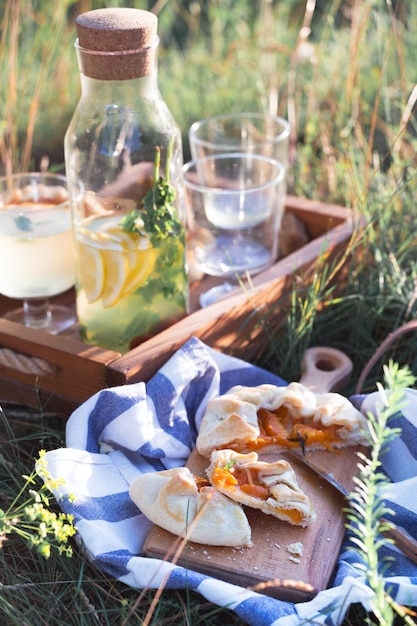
x=242, y=478
x=279, y=428
x=246, y=480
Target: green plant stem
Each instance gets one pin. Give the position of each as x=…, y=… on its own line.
x=366, y=504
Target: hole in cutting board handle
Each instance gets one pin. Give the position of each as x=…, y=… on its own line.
x=325, y=365
x=325, y=369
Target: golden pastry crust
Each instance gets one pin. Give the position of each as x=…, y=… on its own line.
x=270, y=487
x=173, y=500
x=253, y=418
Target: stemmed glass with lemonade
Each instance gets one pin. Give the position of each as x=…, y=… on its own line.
x=36, y=249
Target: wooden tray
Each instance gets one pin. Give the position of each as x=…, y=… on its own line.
x=266, y=566
x=62, y=371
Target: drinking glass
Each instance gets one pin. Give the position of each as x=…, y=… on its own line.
x=36, y=249
x=252, y=133
x=234, y=205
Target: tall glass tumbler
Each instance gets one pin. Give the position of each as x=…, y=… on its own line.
x=234, y=206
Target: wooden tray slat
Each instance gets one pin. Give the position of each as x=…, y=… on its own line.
x=53, y=363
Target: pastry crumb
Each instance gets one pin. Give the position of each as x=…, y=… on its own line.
x=294, y=559
x=295, y=548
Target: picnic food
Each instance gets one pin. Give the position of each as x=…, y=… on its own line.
x=271, y=417
x=270, y=487
x=187, y=506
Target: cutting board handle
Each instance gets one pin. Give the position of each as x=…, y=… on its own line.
x=325, y=369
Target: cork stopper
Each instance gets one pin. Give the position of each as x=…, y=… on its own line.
x=117, y=44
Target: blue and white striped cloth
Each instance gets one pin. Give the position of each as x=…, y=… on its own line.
x=121, y=432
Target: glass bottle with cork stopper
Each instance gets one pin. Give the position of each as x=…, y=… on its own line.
x=123, y=158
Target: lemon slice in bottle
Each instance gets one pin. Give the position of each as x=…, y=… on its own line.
x=91, y=272
x=142, y=263
x=140, y=257
x=116, y=271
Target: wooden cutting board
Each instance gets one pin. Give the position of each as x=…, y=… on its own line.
x=267, y=565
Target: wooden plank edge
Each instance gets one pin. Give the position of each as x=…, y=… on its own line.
x=57, y=364
x=286, y=590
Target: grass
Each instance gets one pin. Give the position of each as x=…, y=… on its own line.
x=344, y=74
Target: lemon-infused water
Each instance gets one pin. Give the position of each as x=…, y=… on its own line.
x=127, y=288
x=123, y=159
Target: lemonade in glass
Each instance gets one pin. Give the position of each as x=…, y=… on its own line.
x=36, y=248
x=36, y=255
